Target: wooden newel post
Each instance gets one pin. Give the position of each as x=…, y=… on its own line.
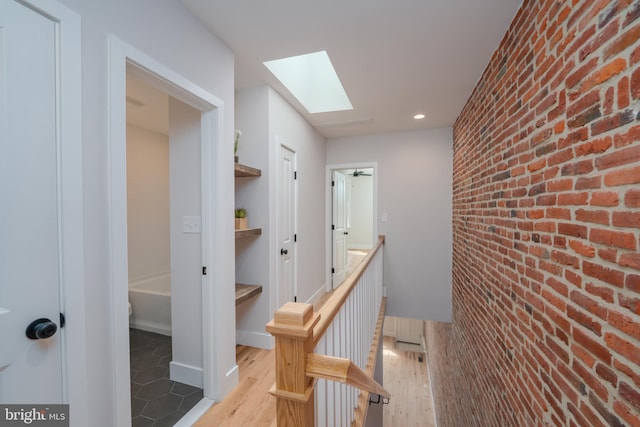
x=292, y=327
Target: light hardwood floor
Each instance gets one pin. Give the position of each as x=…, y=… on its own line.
x=407, y=379
x=250, y=404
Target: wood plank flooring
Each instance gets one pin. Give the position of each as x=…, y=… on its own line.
x=250, y=403
x=407, y=379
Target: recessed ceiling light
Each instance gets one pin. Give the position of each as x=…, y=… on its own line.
x=419, y=116
x=312, y=79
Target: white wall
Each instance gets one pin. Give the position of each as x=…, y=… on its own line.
x=186, y=248
x=164, y=30
x=287, y=126
x=267, y=120
x=414, y=190
x=147, y=203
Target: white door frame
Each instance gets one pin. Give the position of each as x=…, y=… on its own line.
x=69, y=128
x=216, y=380
x=329, y=211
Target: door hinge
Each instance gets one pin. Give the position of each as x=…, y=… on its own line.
x=62, y=320
x=333, y=183
x=333, y=226
x=295, y=237
x=204, y=271
x=295, y=175
x=333, y=270
x=295, y=299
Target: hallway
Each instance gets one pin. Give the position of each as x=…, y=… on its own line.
x=250, y=403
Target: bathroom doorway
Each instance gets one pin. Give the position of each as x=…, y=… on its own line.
x=164, y=253
x=216, y=369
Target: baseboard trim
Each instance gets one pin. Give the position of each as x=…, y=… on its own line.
x=150, y=327
x=315, y=298
x=195, y=413
x=255, y=339
x=186, y=374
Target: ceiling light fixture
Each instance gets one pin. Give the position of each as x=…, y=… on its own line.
x=312, y=79
x=419, y=116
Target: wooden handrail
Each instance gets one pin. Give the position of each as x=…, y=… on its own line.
x=343, y=371
x=332, y=306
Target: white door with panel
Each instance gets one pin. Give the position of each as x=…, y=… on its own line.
x=286, y=225
x=30, y=219
x=339, y=227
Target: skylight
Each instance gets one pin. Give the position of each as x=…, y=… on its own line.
x=312, y=79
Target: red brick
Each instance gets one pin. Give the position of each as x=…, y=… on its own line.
x=574, y=230
x=623, y=347
x=626, y=219
x=630, y=259
x=597, y=217
x=606, y=72
x=604, y=198
x=632, y=198
x=582, y=248
x=630, y=372
x=623, y=93
x=630, y=303
x=605, y=274
x=590, y=379
x=626, y=39
x=613, y=238
x=588, y=183
x=622, y=177
x=589, y=304
x=635, y=84
x=607, y=374
x=598, y=350
x=619, y=158
x=632, y=282
x=603, y=292
x=624, y=324
x=594, y=146
x=625, y=412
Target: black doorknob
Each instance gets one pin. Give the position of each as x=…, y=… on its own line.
x=41, y=329
x=283, y=251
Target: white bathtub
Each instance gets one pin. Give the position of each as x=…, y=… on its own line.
x=150, y=300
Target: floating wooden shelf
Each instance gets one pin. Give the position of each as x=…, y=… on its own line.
x=246, y=171
x=248, y=232
x=244, y=292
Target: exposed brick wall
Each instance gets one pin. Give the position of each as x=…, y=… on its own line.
x=546, y=215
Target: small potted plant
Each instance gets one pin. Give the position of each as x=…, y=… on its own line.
x=241, y=219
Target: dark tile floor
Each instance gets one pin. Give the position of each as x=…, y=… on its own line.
x=155, y=399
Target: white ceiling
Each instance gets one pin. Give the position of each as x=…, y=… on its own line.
x=395, y=58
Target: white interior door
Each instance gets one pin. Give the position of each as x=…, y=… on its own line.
x=339, y=228
x=286, y=225
x=30, y=369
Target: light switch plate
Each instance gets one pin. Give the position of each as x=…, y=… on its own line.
x=191, y=224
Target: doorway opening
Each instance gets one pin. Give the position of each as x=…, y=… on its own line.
x=164, y=253
x=352, y=217
x=210, y=362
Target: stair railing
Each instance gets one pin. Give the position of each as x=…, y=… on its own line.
x=325, y=360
